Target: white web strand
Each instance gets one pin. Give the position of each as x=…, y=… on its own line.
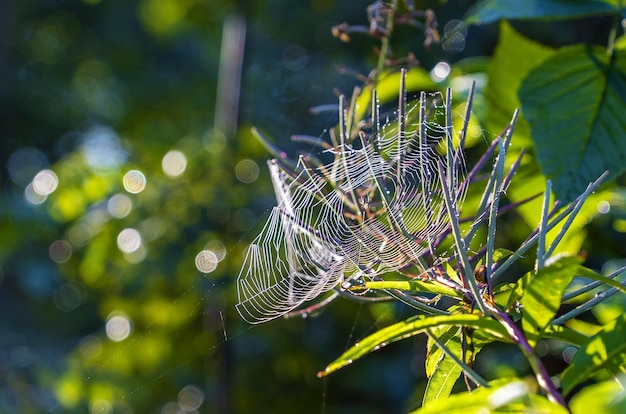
x=376, y=208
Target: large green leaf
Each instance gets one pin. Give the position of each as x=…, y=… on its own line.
x=575, y=103
x=514, y=397
x=442, y=371
x=488, y=11
x=607, y=397
x=543, y=294
x=512, y=59
x=413, y=326
x=605, y=350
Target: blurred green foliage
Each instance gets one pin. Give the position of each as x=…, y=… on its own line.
x=91, y=90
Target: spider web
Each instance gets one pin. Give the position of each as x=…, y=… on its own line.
x=376, y=207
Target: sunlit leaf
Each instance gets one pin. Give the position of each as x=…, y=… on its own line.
x=488, y=11
x=514, y=397
x=564, y=334
x=607, y=349
x=584, y=138
x=543, y=295
x=416, y=286
x=411, y=327
x=441, y=370
x=606, y=397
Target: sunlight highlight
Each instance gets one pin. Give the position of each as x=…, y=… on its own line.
x=118, y=327
x=129, y=240
x=206, y=261
x=45, y=182
x=174, y=164
x=134, y=181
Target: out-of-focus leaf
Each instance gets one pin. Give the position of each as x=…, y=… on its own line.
x=606, y=397
x=584, y=138
x=411, y=327
x=388, y=87
x=441, y=370
x=513, y=58
x=488, y=11
x=543, y=295
x=607, y=349
x=514, y=397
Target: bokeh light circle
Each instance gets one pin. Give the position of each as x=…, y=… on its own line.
x=174, y=164
x=247, y=171
x=190, y=398
x=33, y=197
x=119, y=205
x=129, y=240
x=440, y=72
x=218, y=248
x=295, y=57
x=206, y=261
x=454, y=33
x=69, y=296
x=24, y=163
x=214, y=141
x=134, y=181
x=101, y=407
x=60, y=251
x=45, y=182
x=118, y=327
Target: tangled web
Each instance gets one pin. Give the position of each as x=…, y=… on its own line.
x=377, y=207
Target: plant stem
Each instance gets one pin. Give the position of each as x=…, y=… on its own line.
x=384, y=44
x=543, y=378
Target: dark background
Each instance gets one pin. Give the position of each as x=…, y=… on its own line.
x=142, y=76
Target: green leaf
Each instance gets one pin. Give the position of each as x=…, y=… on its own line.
x=415, y=286
x=586, y=272
x=543, y=295
x=584, y=135
x=606, y=349
x=413, y=326
x=514, y=397
x=564, y=334
x=607, y=397
x=441, y=370
x=513, y=58
x=488, y=11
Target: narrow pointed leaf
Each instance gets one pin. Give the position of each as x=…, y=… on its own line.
x=607, y=349
x=543, y=295
x=413, y=326
x=584, y=138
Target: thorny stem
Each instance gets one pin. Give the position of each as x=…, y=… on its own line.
x=551, y=224
x=601, y=296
